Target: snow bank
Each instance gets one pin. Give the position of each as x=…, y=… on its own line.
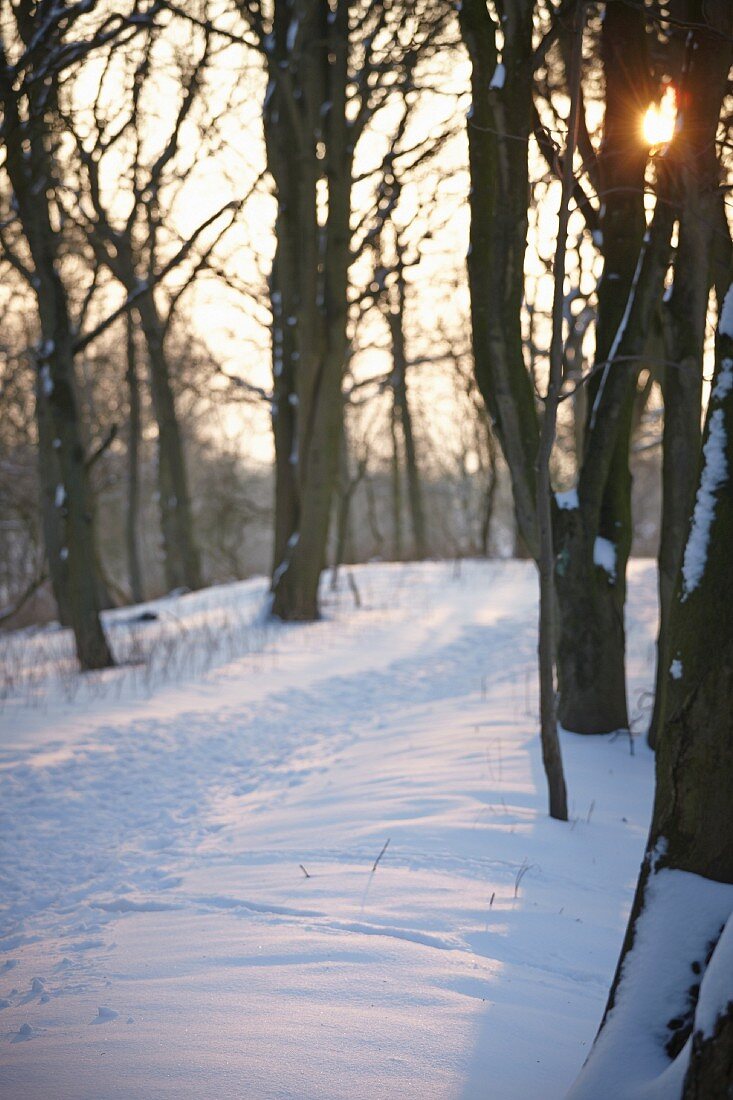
x=683, y=914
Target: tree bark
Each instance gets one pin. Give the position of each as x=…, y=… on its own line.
x=28, y=164
x=694, y=163
x=396, y=322
x=181, y=558
x=322, y=150
x=498, y=131
x=551, y=754
x=591, y=649
x=689, y=848
x=395, y=469
x=133, y=468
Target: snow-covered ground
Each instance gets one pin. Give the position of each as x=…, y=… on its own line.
x=192, y=905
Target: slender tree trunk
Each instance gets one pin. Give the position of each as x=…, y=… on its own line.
x=396, y=487
x=347, y=487
x=181, y=557
x=489, y=496
x=133, y=468
x=551, y=755
x=396, y=321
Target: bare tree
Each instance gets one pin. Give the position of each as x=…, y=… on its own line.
x=590, y=586
x=139, y=245
x=329, y=71
x=48, y=39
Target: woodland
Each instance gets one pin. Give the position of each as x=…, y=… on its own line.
x=297, y=287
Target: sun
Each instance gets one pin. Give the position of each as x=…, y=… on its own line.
x=660, y=121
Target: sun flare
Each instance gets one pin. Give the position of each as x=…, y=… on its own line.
x=660, y=120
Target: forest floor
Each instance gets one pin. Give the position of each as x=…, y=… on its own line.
x=192, y=902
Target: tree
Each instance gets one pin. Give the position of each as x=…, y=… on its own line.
x=702, y=258
x=330, y=69
x=592, y=530
x=47, y=40
x=670, y=1013
x=131, y=235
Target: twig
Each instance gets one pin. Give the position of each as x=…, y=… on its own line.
x=304, y=870
x=384, y=849
x=520, y=875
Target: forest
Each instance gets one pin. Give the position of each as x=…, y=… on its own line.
x=366, y=519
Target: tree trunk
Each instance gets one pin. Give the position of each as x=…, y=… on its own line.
x=181, y=559
x=551, y=754
x=694, y=162
x=133, y=468
x=29, y=168
x=284, y=405
x=323, y=258
x=498, y=131
x=594, y=547
x=396, y=321
x=684, y=897
x=395, y=486
x=72, y=499
x=49, y=478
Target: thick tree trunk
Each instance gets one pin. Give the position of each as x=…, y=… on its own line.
x=29, y=168
x=498, y=131
x=72, y=499
x=323, y=255
x=684, y=897
x=49, y=477
x=694, y=162
x=594, y=547
x=181, y=558
x=284, y=405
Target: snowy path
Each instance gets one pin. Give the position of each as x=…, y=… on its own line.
x=153, y=832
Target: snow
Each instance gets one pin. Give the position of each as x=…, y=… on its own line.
x=714, y=476
x=60, y=497
x=716, y=994
x=498, y=79
x=604, y=555
x=725, y=324
x=568, y=500
x=158, y=822
x=675, y=669
x=682, y=916
x=46, y=380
